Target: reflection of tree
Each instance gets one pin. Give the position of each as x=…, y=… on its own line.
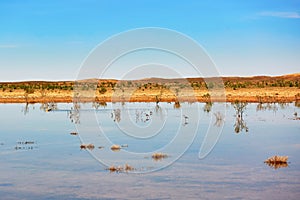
x=159, y=111
x=283, y=105
x=277, y=165
x=116, y=115
x=240, y=124
x=219, y=119
x=143, y=115
x=268, y=106
x=137, y=116
x=74, y=114
x=177, y=105
x=297, y=104
x=25, y=110
x=48, y=107
x=44, y=106
x=96, y=105
x=207, y=107
x=157, y=108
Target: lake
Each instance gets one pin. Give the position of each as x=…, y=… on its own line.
x=211, y=151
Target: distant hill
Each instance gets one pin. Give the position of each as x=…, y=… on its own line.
x=287, y=77
x=284, y=88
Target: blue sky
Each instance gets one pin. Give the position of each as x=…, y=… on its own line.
x=48, y=40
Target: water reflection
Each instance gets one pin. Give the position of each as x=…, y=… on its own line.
x=25, y=145
x=74, y=114
x=277, y=165
x=177, y=105
x=297, y=104
x=267, y=106
x=207, y=107
x=143, y=115
x=25, y=109
x=97, y=105
x=45, y=106
x=283, y=105
x=240, y=124
x=271, y=106
x=186, y=119
x=158, y=108
x=48, y=106
x=219, y=119
x=116, y=115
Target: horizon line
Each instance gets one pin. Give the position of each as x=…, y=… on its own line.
x=141, y=79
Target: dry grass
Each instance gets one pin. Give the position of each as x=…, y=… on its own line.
x=277, y=161
x=115, y=147
x=115, y=169
x=159, y=156
x=87, y=146
x=126, y=168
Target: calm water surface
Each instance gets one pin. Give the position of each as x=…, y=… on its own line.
x=40, y=159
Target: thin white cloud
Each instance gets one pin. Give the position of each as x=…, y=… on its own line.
x=291, y=15
x=8, y=46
